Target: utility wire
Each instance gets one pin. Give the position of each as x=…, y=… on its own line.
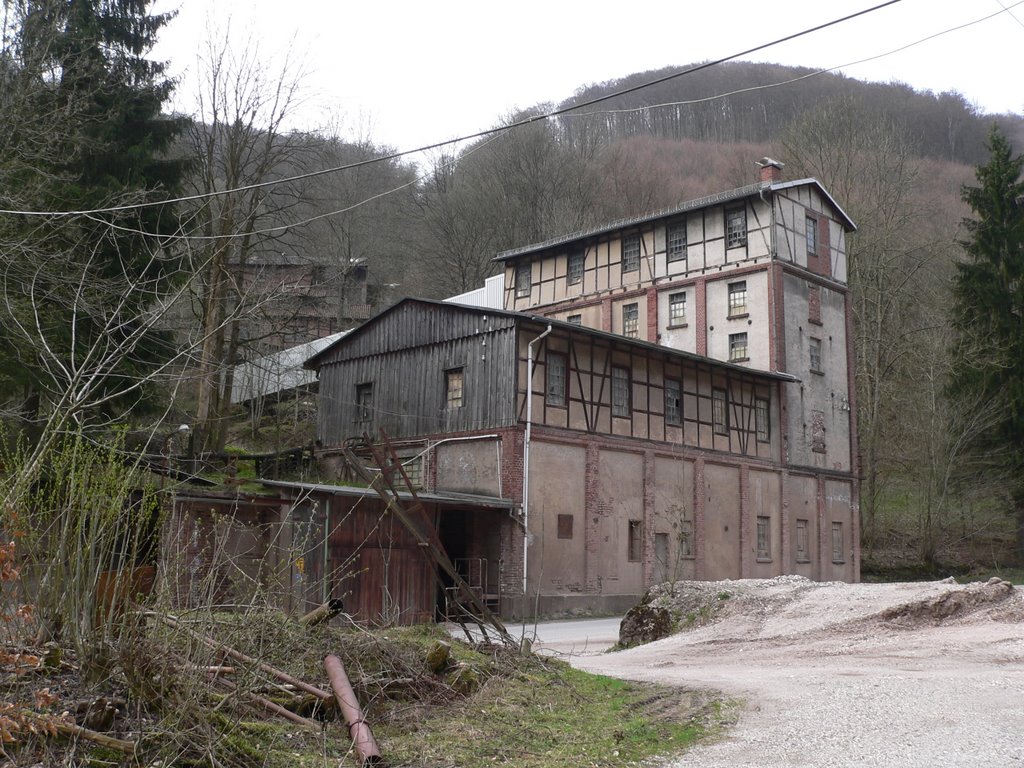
x=469, y=137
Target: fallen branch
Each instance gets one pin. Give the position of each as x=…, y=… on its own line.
x=70, y=729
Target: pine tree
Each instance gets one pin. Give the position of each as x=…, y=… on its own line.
x=988, y=311
x=88, y=133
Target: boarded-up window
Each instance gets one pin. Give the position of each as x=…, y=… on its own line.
x=636, y=531
x=556, y=383
x=818, y=431
x=686, y=539
x=720, y=411
x=620, y=391
x=673, y=409
x=364, y=402
x=764, y=538
x=454, y=380
x=814, y=304
x=837, y=543
x=762, y=420
x=803, y=552
x=565, y=526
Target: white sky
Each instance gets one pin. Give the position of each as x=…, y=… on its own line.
x=408, y=74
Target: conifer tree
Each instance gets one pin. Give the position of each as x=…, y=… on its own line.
x=988, y=366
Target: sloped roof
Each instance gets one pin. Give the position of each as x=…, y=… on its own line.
x=701, y=202
x=313, y=362
x=278, y=372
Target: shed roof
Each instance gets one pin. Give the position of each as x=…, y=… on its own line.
x=435, y=497
x=692, y=205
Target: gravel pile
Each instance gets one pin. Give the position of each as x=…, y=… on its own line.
x=830, y=674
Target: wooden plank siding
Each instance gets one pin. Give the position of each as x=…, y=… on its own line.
x=404, y=355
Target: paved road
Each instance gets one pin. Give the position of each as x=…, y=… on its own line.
x=575, y=637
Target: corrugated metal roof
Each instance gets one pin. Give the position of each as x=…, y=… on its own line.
x=691, y=205
x=439, y=497
x=278, y=372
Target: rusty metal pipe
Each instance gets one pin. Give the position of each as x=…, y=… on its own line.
x=362, y=736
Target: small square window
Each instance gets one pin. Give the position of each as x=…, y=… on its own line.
x=837, y=543
x=736, y=228
x=575, y=319
x=575, y=267
x=764, y=538
x=364, y=402
x=803, y=552
x=565, y=526
x=677, y=309
x=738, y=298
x=675, y=241
x=454, y=381
x=621, y=405
x=631, y=321
x=686, y=539
x=523, y=281
x=811, y=229
x=738, y=346
x=636, y=540
x=630, y=252
x=762, y=420
x=814, y=348
x=556, y=378
x=720, y=411
x=414, y=470
x=673, y=403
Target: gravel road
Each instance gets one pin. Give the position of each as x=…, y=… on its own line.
x=912, y=674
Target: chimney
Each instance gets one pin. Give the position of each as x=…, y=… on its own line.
x=771, y=170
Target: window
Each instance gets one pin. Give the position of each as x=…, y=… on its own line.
x=364, y=402
x=676, y=309
x=575, y=268
x=738, y=346
x=719, y=411
x=620, y=391
x=556, y=368
x=631, y=320
x=673, y=411
x=814, y=304
x=738, y=299
x=454, y=388
x=814, y=348
x=764, y=538
x=636, y=537
x=523, y=281
x=630, y=253
x=762, y=422
x=675, y=241
x=837, y=543
x=818, y=431
x=686, y=539
x=575, y=319
x=736, y=228
x=811, y=225
x=802, y=541
x=565, y=526
x=414, y=470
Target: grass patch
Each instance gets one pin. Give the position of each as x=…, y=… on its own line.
x=548, y=715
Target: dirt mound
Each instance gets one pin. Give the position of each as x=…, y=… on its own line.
x=956, y=603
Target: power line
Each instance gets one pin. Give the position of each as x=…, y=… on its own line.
x=480, y=134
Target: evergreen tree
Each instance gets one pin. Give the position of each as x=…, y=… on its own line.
x=88, y=133
x=988, y=309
